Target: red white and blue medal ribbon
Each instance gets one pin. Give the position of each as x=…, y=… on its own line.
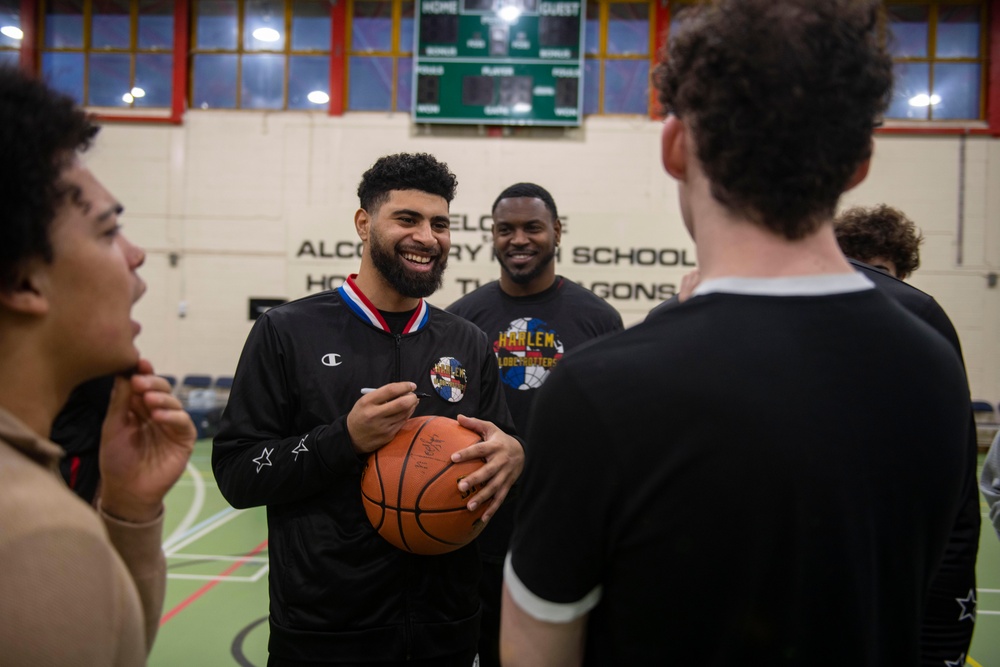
x=363, y=308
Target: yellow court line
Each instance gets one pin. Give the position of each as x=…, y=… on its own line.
x=970, y=661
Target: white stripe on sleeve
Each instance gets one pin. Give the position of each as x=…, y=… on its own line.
x=543, y=610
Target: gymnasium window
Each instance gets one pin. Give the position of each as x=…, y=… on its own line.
x=619, y=42
x=939, y=53
x=380, y=55
x=125, y=57
x=260, y=54
x=11, y=32
x=109, y=53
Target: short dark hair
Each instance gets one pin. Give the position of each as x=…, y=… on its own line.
x=879, y=231
x=529, y=190
x=405, y=171
x=781, y=97
x=40, y=132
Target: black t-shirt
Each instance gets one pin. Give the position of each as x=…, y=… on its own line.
x=77, y=429
x=919, y=303
x=530, y=335
x=729, y=483
x=948, y=620
x=397, y=321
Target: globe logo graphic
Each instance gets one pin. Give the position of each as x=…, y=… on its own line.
x=449, y=379
x=526, y=351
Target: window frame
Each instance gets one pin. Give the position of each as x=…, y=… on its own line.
x=657, y=9
x=27, y=51
x=33, y=16
x=287, y=52
x=989, y=125
x=396, y=14
x=992, y=92
x=989, y=84
x=338, y=59
x=662, y=18
x=660, y=15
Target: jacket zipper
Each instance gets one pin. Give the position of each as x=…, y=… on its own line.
x=408, y=630
x=399, y=368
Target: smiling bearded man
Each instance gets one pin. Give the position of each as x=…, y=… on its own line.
x=392, y=263
x=297, y=431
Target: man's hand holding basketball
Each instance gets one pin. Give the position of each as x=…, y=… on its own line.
x=146, y=441
x=377, y=416
x=504, y=462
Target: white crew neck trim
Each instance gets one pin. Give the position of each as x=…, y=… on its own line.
x=818, y=285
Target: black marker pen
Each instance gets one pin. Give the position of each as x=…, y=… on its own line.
x=368, y=390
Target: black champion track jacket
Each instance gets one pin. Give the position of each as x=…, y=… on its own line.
x=338, y=591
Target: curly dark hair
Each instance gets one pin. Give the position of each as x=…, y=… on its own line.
x=40, y=132
x=531, y=191
x=405, y=171
x=879, y=231
x=781, y=97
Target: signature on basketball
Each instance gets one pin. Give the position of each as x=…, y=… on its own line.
x=432, y=445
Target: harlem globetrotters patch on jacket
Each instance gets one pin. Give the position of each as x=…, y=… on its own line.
x=449, y=379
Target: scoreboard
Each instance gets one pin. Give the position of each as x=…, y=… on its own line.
x=499, y=62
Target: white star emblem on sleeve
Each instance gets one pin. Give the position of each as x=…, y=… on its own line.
x=301, y=447
x=264, y=459
x=956, y=663
x=968, y=606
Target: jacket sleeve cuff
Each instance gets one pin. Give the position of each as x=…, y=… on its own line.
x=336, y=450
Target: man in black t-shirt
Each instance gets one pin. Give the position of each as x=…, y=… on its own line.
x=533, y=317
x=989, y=483
x=949, y=617
x=717, y=485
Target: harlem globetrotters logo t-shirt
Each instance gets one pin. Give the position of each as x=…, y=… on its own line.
x=527, y=350
x=531, y=334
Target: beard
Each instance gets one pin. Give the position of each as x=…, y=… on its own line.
x=525, y=277
x=387, y=262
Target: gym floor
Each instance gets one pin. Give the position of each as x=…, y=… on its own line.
x=216, y=608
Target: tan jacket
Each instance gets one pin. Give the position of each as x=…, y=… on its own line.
x=77, y=587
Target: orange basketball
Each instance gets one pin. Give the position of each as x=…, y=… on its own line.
x=410, y=487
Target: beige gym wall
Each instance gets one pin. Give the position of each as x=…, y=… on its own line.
x=234, y=205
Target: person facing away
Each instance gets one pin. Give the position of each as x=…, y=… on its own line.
x=533, y=317
x=297, y=431
x=949, y=616
x=715, y=485
x=949, y=613
x=82, y=586
x=989, y=482
x=881, y=236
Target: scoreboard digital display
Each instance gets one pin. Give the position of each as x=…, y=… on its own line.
x=499, y=62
